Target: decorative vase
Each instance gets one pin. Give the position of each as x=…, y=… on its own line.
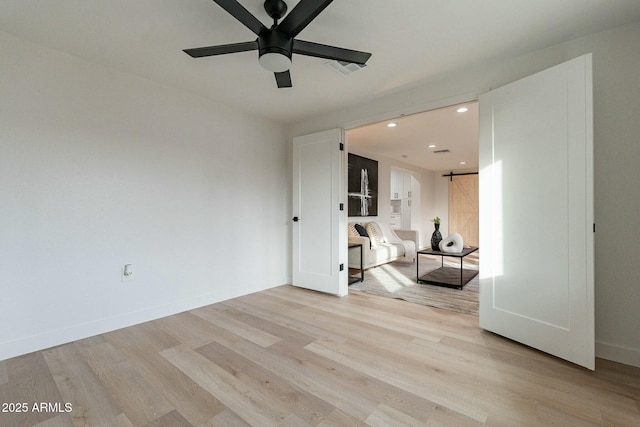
x=436, y=237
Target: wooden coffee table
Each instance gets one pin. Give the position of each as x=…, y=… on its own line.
x=447, y=276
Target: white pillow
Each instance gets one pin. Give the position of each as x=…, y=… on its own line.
x=375, y=234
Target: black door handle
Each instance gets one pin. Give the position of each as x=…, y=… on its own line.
x=296, y=219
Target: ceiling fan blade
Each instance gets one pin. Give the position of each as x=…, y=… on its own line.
x=222, y=49
x=330, y=52
x=302, y=15
x=238, y=11
x=283, y=79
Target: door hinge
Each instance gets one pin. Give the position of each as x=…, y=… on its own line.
x=594, y=227
x=341, y=206
x=341, y=267
x=341, y=146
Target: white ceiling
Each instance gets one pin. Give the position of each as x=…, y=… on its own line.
x=411, y=41
x=409, y=141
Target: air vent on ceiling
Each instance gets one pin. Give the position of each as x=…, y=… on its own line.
x=446, y=150
x=344, y=68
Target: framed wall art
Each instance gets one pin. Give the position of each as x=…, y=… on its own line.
x=362, y=186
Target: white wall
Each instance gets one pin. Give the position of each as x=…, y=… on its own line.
x=616, y=61
x=99, y=169
x=442, y=202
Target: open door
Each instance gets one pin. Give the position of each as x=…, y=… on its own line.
x=319, y=218
x=536, y=211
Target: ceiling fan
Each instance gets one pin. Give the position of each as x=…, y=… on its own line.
x=276, y=45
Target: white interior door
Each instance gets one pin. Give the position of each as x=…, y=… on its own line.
x=536, y=211
x=319, y=225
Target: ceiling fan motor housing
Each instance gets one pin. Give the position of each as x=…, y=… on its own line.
x=275, y=46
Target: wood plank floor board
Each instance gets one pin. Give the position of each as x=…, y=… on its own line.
x=182, y=393
x=292, y=357
x=147, y=335
x=355, y=329
x=479, y=377
x=61, y=420
x=4, y=376
x=619, y=377
x=317, y=383
x=282, y=332
x=78, y=383
x=120, y=421
x=550, y=416
x=226, y=418
x=499, y=393
x=449, y=322
x=437, y=390
x=188, y=328
x=409, y=311
x=133, y=393
x=172, y=419
x=385, y=416
x=142, y=346
x=254, y=406
x=217, y=317
x=29, y=381
x=269, y=297
x=369, y=316
x=551, y=380
x=614, y=417
x=272, y=313
x=294, y=421
x=305, y=406
x=353, y=383
x=339, y=418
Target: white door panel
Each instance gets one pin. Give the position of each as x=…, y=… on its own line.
x=320, y=232
x=536, y=211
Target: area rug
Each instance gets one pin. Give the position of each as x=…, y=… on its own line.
x=398, y=280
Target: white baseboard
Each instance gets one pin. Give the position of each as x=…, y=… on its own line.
x=618, y=353
x=57, y=337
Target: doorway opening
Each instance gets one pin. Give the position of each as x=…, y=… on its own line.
x=413, y=153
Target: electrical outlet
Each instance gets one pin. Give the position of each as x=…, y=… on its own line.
x=127, y=272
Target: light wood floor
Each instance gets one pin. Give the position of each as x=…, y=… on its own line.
x=293, y=357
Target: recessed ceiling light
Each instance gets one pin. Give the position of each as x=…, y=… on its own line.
x=462, y=110
x=463, y=163
x=404, y=156
x=392, y=125
x=432, y=146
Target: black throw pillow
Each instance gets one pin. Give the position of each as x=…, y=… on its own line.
x=363, y=233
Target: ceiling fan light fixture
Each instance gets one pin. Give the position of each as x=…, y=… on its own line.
x=275, y=45
x=276, y=62
x=275, y=51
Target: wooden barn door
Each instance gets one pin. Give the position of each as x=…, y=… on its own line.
x=463, y=208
